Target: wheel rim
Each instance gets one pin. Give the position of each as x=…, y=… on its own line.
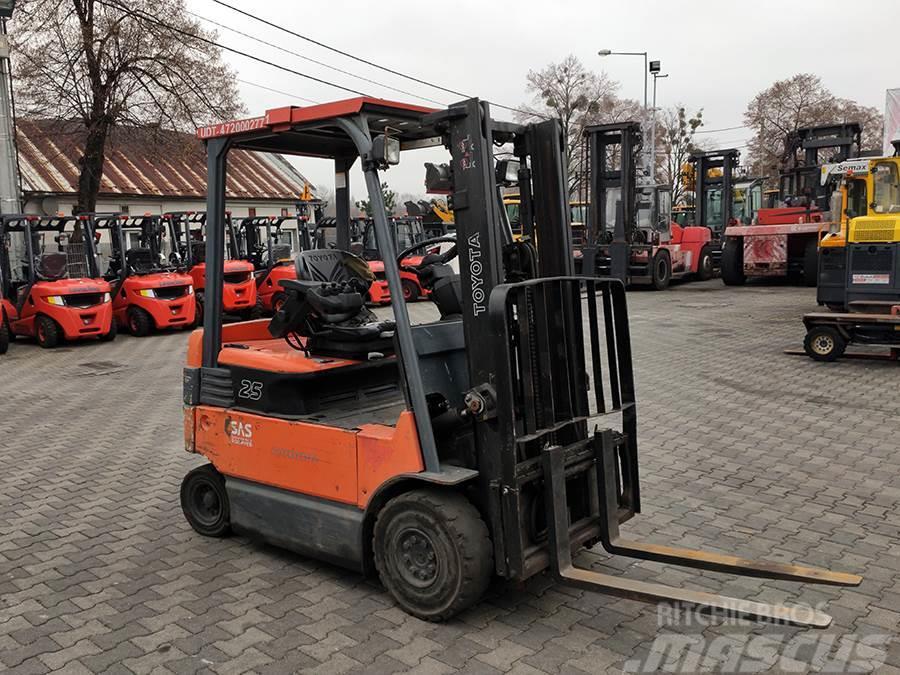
x=132, y=323
x=662, y=269
x=41, y=333
x=407, y=292
x=205, y=504
x=416, y=558
x=707, y=264
x=823, y=345
x=279, y=302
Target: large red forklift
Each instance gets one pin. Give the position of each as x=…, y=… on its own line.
x=189, y=248
x=149, y=293
x=499, y=440
x=52, y=292
x=630, y=233
x=784, y=240
x=258, y=240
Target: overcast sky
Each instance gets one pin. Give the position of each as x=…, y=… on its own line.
x=717, y=54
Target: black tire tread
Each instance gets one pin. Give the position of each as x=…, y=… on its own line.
x=732, y=265
x=140, y=323
x=51, y=331
x=661, y=284
x=464, y=523
x=4, y=333
x=209, y=471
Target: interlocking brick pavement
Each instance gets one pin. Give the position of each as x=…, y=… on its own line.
x=744, y=450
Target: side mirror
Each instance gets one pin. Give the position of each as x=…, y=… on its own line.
x=386, y=150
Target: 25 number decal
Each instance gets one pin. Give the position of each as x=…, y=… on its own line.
x=250, y=390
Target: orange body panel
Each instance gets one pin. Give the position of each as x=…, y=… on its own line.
x=166, y=313
x=276, y=356
x=307, y=458
x=231, y=332
x=385, y=452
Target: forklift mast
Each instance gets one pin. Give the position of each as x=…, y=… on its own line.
x=805, y=151
x=714, y=174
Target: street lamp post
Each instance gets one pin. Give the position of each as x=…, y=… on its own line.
x=609, y=52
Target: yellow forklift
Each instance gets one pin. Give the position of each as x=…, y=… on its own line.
x=497, y=441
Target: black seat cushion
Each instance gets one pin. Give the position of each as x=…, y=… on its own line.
x=140, y=260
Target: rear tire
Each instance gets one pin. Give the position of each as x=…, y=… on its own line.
x=433, y=553
x=140, y=323
x=824, y=343
x=811, y=263
x=662, y=270
x=733, y=263
x=4, y=333
x=48, y=332
x=705, y=266
x=198, y=313
x=410, y=290
x=204, y=502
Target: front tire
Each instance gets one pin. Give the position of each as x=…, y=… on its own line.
x=255, y=312
x=140, y=323
x=662, y=270
x=113, y=331
x=48, y=332
x=204, y=502
x=733, y=263
x=433, y=553
x=705, y=266
x=824, y=343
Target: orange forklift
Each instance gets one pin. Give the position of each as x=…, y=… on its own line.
x=148, y=293
x=189, y=249
x=499, y=440
x=52, y=293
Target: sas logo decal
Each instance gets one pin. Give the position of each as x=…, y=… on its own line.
x=239, y=433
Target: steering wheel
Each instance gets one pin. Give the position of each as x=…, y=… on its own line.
x=441, y=259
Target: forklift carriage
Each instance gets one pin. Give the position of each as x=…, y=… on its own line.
x=499, y=440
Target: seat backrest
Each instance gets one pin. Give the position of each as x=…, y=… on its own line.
x=52, y=266
x=280, y=252
x=140, y=259
x=198, y=251
x=332, y=265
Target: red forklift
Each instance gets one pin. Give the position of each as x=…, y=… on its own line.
x=149, y=293
x=784, y=240
x=406, y=232
x=52, y=291
x=188, y=230
x=258, y=240
x=499, y=440
x=630, y=233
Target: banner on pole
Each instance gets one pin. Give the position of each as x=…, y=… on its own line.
x=891, y=120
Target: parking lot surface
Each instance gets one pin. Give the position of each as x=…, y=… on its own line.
x=743, y=449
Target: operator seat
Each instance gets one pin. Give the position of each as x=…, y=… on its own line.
x=140, y=260
x=326, y=305
x=51, y=266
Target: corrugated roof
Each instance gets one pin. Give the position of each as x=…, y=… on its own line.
x=146, y=163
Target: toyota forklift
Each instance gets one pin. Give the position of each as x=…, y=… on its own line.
x=630, y=233
x=189, y=249
x=499, y=440
x=148, y=292
x=51, y=289
x=257, y=238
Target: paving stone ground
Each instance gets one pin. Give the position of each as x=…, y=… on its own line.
x=743, y=450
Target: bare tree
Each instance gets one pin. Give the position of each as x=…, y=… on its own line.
x=676, y=142
x=578, y=98
x=800, y=101
x=108, y=63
